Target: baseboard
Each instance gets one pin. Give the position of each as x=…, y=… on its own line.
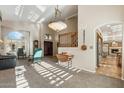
x=89, y=70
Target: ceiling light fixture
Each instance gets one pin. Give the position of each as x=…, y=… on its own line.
x=57, y=25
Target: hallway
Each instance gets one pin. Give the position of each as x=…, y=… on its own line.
x=108, y=66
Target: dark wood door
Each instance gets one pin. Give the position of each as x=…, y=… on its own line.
x=48, y=48
x=99, y=49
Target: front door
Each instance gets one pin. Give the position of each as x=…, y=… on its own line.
x=48, y=48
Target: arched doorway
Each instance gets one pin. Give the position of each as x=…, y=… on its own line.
x=109, y=50
x=16, y=39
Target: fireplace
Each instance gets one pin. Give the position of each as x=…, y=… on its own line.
x=114, y=50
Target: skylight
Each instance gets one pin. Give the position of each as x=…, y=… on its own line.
x=41, y=8
x=116, y=28
x=33, y=16
x=19, y=10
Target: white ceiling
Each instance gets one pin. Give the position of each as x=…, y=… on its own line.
x=112, y=32
x=35, y=14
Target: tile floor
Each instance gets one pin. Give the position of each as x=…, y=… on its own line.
x=109, y=67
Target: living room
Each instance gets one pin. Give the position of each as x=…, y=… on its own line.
x=57, y=44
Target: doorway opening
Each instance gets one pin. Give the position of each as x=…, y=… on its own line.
x=109, y=50
x=48, y=48
x=15, y=40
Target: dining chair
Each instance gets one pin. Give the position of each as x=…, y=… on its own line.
x=20, y=52
x=64, y=58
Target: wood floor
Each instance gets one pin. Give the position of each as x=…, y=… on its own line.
x=108, y=66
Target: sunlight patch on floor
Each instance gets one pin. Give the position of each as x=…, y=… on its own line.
x=70, y=68
x=56, y=76
x=21, y=81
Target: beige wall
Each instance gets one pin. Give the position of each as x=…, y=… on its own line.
x=0, y=30
x=123, y=53
x=0, y=38
x=89, y=18
x=94, y=16
x=16, y=26
x=72, y=25
x=45, y=30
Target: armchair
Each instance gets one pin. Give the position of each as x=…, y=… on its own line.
x=65, y=58
x=20, y=52
x=37, y=55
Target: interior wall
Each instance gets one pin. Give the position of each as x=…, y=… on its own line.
x=33, y=29
x=0, y=30
x=123, y=51
x=45, y=30
x=93, y=17
x=6, y=30
x=0, y=37
x=72, y=25
x=89, y=18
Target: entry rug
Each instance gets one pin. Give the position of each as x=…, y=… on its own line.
x=21, y=81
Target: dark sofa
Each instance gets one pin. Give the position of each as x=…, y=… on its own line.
x=8, y=61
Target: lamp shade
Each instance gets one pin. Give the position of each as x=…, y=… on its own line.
x=57, y=26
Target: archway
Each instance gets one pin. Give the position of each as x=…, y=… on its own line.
x=16, y=39
x=109, y=49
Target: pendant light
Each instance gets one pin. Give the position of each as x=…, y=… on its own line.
x=57, y=25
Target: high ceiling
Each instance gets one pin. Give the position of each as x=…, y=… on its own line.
x=35, y=14
x=112, y=32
